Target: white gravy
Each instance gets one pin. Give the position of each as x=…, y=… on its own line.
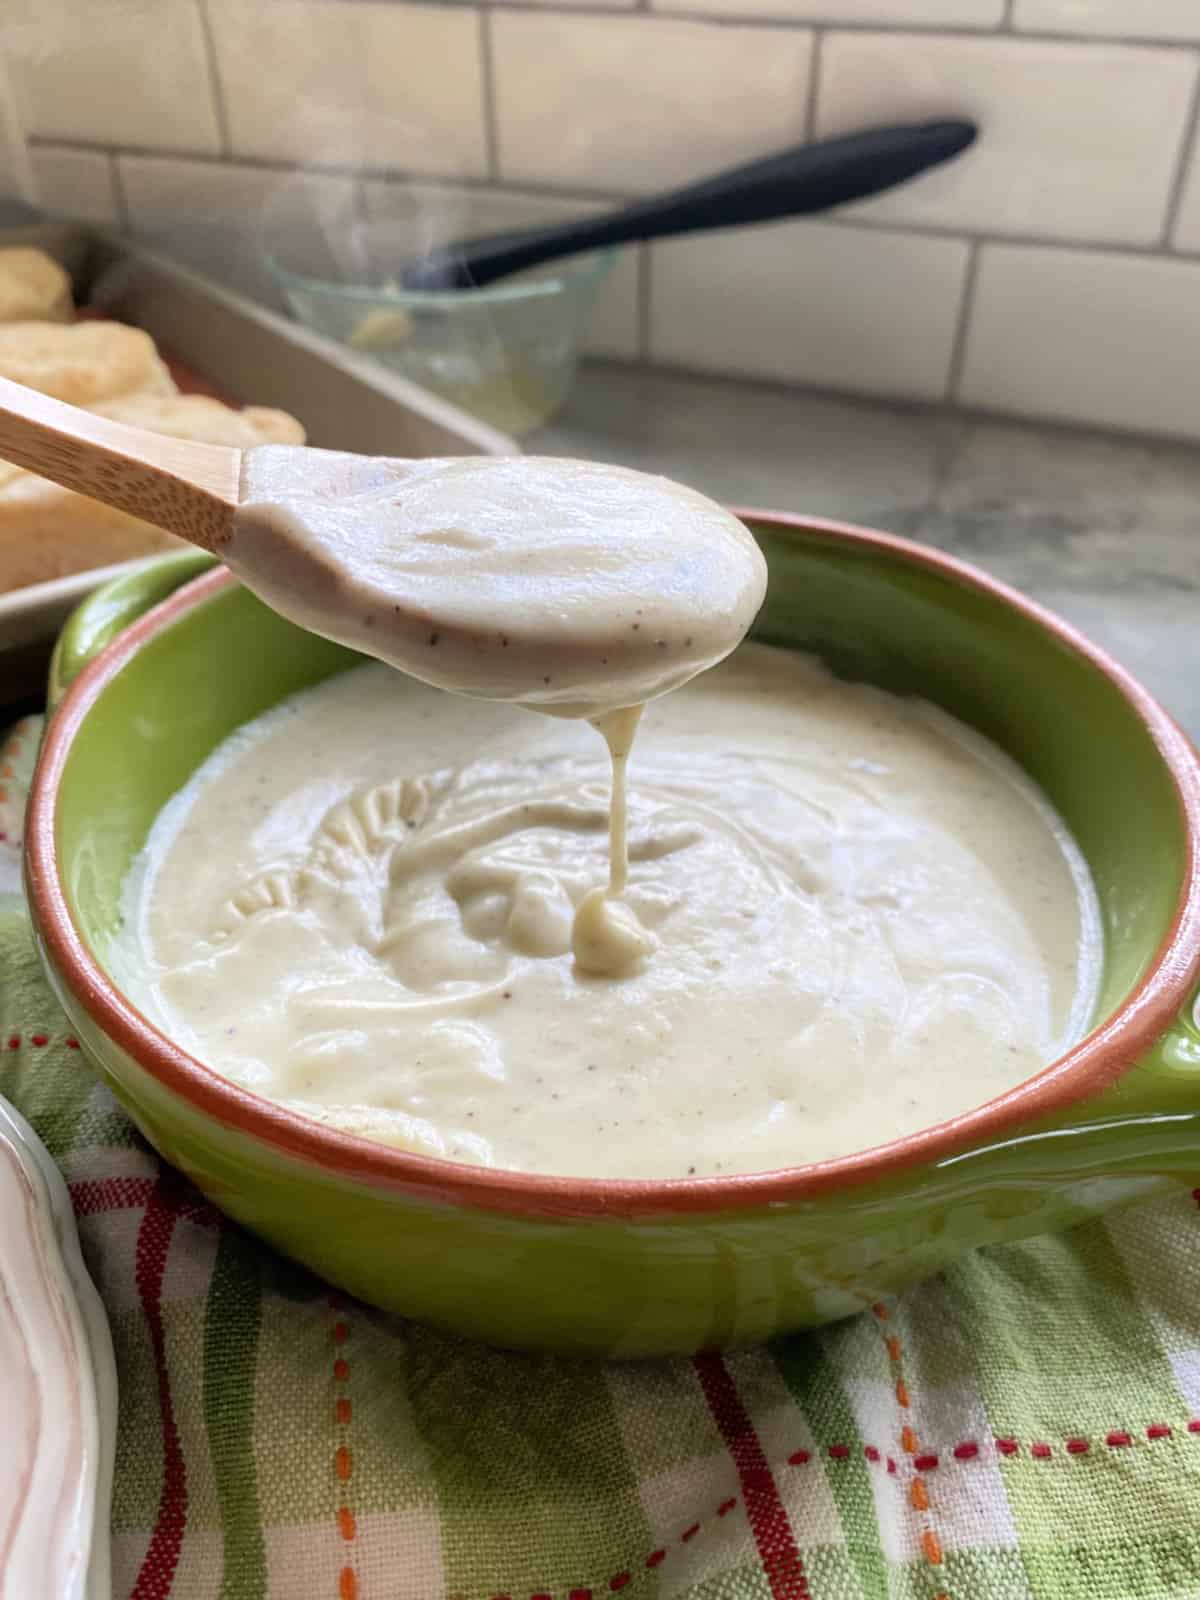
x=846, y=917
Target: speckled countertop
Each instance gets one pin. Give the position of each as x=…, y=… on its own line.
x=1104, y=530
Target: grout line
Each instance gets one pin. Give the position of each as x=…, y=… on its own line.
x=814, y=81
x=958, y=350
x=625, y=8
x=928, y=407
x=1187, y=147
x=491, y=126
x=931, y=230
x=124, y=221
x=645, y=303
x=215, y=83
x=373, y=174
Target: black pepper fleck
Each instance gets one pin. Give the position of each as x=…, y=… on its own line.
x=434, y=637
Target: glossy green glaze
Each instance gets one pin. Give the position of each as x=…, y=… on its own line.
x=689, y=1278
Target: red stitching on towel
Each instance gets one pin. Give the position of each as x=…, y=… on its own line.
x=839, y=1452
x=925, y=1463
x=1158, y=1430
x=343, y=1459
x=966, y=1451
x=1117, y=1439
x=1040, y=1450
x=1078, y=1447
x=39, y=1039
x=689, y=1534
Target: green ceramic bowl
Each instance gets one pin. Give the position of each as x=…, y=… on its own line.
x=616, y=1268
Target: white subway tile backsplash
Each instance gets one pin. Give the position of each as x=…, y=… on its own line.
x=353, y=83
x=1086, y=336
x=639, y=103
x=613, y=327
x=134, y=73
x=1083, y=124
x=217, y=218
x=811, y=302
x=1118, y=19
x=1077, y=141
x=894, y=13
x=75, y=183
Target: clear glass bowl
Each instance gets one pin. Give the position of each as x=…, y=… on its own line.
x=506, y=353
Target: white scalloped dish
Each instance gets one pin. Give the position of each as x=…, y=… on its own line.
x=57, y=1387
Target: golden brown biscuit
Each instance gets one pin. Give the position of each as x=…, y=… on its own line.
x=195, y=416
x=48, y=532
x=33, y=287
x=84, y=363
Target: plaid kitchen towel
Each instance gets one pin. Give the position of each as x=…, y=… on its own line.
x=1025, y=1427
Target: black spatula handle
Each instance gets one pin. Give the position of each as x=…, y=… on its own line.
x=811, y=177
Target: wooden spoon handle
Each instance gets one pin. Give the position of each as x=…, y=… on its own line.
x=188, y=488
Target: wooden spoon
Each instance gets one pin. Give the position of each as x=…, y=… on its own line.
x=565, y=585
x=188, y=488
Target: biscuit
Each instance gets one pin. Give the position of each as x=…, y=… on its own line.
x=84, y=363
x=33, y=287
x=195, y=416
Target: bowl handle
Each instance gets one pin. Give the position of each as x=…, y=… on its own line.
x=1155, y=1105
x=1169, y=1076
x=107, y=612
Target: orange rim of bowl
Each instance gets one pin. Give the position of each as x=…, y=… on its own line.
x=1116, y=1044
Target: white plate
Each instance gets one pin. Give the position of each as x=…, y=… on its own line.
x=58, y=1387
